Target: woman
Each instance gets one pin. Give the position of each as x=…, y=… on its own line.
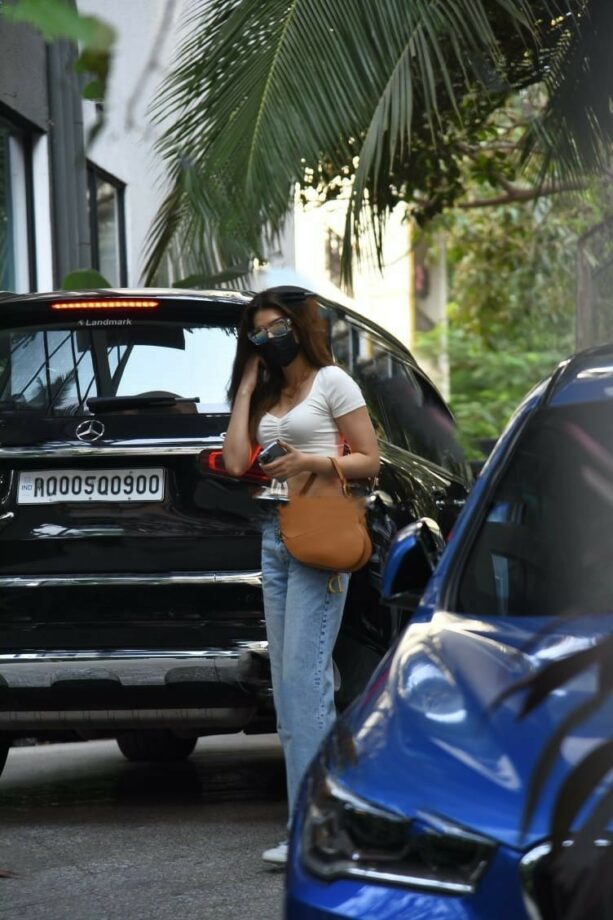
x=286, y=388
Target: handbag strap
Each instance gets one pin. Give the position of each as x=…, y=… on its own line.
x=341, y=475
x=308, y=484
x=337, y=470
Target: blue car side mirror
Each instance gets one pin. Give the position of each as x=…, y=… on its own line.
x=412, y=556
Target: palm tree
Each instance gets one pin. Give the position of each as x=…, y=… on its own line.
x=369, y=101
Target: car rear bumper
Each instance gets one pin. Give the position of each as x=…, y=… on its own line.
x=219, y=610
x=252, y=579
x=203, y=690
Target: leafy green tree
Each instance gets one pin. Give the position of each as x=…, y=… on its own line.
x=511, y=318
x=375, y=102
x=84, y=279
x=486, y=384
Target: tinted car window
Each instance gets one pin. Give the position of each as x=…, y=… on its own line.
x=546, y=544
x=435, y=434
x=348, y=349
x=369, y=361
x=408, y=410
x=55, y=369
x=395, y=391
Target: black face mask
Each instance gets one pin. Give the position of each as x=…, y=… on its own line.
x=281, y=351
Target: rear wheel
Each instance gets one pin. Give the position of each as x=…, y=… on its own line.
x=4, y=750
x=155, y=745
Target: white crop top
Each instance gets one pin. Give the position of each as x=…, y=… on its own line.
x=310, y=425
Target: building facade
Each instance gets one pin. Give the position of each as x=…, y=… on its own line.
x=65, y=202
x=26, y=253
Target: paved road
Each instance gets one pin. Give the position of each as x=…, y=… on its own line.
x=93, y=837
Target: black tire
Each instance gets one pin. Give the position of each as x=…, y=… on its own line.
x=155, y=745
x=4, y=750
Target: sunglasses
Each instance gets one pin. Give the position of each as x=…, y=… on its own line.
x=275, y=330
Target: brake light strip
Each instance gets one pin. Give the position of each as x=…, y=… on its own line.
x=126, y=304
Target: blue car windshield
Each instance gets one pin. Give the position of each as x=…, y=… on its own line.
x=545, y=546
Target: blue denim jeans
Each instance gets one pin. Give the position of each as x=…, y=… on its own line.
x=303, y=617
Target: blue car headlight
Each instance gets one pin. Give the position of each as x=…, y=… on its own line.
x=344, y=836
x=428, y=689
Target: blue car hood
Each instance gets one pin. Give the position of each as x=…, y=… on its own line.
x=429, y=736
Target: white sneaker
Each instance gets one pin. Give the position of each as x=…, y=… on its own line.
x=276, y=856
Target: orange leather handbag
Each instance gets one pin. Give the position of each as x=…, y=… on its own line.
x=329, y=531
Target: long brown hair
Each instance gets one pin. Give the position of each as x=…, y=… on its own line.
x=310, y=330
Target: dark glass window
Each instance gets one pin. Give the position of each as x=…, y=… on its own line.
x=410, y=411
x=404, y=407
x=546, y=544
x=17, y=257
x=54, y=369
x=436, y=436
x=7, y=257
x=105, y=196
x=346, y=342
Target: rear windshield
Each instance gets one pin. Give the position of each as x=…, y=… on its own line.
x=55, y=369
x=546, y=544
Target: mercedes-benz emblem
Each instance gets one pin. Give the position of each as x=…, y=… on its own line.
x=90, y=430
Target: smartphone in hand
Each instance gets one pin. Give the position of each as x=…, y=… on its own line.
x=271, y=452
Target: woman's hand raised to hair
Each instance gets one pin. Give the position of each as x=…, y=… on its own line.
x=250, y=375
x=236, y=445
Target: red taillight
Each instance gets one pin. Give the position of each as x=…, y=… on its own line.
x=125, y=303
x=212, y=462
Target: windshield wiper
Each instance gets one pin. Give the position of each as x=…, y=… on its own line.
x=113, y=403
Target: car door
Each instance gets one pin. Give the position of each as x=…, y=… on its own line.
x=411, y=484
x=423, y=472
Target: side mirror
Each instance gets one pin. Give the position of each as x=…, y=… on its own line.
x=412, y=557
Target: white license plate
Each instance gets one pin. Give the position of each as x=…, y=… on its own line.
x=43, y=487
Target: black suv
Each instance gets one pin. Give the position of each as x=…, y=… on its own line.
x=130, y=600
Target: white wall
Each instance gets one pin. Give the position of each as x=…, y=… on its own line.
x=385, y=297
x=148, y=34
x=18, y=233
x=42, y=211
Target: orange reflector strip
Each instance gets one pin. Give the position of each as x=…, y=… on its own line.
x=125, y=304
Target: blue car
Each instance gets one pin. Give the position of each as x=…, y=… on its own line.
x=413, y=808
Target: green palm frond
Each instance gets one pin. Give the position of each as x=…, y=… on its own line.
x=574, y=133
x=264, y=91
